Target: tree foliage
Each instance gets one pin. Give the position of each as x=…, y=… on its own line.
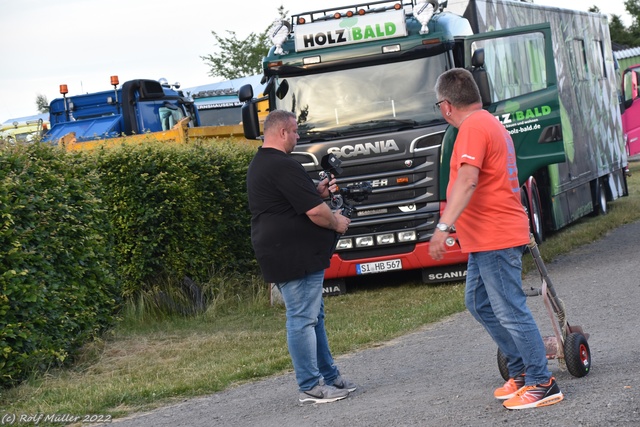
x=620, y=34
x=239, y=58
x=42, y=103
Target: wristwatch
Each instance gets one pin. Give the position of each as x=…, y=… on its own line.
x=443, y=227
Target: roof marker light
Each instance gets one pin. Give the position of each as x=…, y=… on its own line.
x=391, y=48
x=311, y=60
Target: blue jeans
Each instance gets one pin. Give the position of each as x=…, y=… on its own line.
x=306, y=336
x=494, y=296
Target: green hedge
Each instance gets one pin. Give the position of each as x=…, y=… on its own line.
x=80, y=233
x=177, y=210
x=57, y=287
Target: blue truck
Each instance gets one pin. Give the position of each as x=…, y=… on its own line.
x=140, y=107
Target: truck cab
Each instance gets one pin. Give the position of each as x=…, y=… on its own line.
x=24, y=129
x=138, y=107
x=360, y=80
x=631, y=115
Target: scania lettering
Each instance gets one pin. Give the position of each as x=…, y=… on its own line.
x=546, y=73
x=366, y=149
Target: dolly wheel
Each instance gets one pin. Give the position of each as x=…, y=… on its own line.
x=577, y=355
x=502, y=365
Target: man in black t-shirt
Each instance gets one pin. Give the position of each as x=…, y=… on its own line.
x=293, y=233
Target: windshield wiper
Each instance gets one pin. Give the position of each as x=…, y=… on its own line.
x=390, y=122
x=319, y=134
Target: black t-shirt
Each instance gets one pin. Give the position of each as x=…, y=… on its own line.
x=288, y=245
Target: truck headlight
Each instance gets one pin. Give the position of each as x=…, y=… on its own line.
x=364, y=241
x=407, y=236
x=344, y=244
x=385, y=239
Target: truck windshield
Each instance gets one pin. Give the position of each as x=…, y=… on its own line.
x=220, y=116
x=368, y=99
x=156, y=116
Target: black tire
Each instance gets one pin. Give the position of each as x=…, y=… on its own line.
x=599, y=196
x=502, y=365
x=535, y=215
x=602, y=198
x=577, y=355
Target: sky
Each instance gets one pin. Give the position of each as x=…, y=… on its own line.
x=81, y=43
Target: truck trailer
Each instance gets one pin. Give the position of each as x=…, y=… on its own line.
x=361, y=78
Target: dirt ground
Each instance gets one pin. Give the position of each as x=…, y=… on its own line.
x=444, y=375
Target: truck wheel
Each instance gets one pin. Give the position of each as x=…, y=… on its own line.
x=535, y=214
x=577, y=355
x=502, y=365
x=599, y=197
x=602, y=198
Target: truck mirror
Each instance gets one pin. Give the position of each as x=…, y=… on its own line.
x=283, y=89
x=269, y=86
x=250, y=123
x=245, y=93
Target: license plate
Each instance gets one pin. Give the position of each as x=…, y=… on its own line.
x=379, y=267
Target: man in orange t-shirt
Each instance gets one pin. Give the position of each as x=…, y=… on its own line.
x=483, y=201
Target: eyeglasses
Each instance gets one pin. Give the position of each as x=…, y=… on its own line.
x=440, y=102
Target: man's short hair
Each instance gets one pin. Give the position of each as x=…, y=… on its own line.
x=458, y=87
x=277, y=119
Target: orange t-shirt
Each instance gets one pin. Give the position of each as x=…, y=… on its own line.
x=494, y=217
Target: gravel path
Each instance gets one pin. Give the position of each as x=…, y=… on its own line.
x=444, y=375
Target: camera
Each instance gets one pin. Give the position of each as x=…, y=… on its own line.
x=344, y=198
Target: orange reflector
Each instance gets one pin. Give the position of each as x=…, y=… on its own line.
x=349, y=14
x=361, y=12
x=115, y=81
x=397, y=6
x=64, y=89
x=301, y=20
x=337, y=15
x=402, y=180
x=430, y=41
x=275, y=64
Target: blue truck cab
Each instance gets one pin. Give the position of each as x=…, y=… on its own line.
x=138, y=107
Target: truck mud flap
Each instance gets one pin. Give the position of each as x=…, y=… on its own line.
x=333, y=287
x=448, y=273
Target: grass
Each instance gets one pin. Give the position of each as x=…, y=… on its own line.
x=148, y=362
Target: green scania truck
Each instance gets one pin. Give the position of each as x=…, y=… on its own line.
x=360, y=80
